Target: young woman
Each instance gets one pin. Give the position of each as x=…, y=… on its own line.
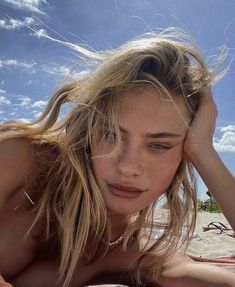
x=78, y=194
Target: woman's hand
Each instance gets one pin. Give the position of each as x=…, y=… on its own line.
x=199, y=150
x=3, y=283
x=199, y=138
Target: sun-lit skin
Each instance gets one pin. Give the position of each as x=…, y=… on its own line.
x=149, y=157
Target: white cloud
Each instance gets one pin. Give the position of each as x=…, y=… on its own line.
x=80, y=75
x=64, y=71
x=3, y=98
x=228, y=138
x=4, y=101
x=37, y=115
x=15, y=64
x=34, y=6
x=24, y=101
x=57, y=70
x=15, y=24
x=3, y=92
x=12, y=114
x=227, y=128
x=24, y=120
x=29, y=83
x=226, y=143
x=39, y=104
x=41, y=33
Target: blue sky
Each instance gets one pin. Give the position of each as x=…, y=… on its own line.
x=32, y=67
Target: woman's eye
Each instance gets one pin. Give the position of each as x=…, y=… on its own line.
x=110, y=136
x=156, y=146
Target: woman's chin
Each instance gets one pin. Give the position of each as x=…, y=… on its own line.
x=123, y=210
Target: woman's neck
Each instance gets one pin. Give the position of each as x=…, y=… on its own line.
x=118, y=224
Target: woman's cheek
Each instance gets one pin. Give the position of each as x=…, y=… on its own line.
x=164, y=168
x=170, y=158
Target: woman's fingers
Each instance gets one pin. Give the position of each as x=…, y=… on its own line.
x=207, y=101
x=201, y=130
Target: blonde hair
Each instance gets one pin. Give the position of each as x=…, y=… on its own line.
x=71, y=203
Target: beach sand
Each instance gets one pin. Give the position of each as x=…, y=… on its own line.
x=208, y=244
x=211, y=243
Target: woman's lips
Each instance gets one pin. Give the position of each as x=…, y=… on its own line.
x=124, y=190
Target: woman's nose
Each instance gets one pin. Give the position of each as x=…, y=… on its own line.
x=129, y=161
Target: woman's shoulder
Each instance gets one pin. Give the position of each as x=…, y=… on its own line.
x=22, y=161
x=28, y=156
x=15, y=154
x=19, y=146
x=44, y=155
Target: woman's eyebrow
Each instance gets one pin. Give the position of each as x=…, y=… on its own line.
x=157, y=135
x=163, y=135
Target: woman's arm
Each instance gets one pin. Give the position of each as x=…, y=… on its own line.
x=198, y=148
x=182, y=271
x=192, y=274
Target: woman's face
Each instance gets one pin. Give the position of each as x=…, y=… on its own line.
x=153, y=132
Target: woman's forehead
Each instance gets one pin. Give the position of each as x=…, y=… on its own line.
x=148, y=108
x=151, y=98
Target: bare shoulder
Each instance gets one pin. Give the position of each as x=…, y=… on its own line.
x=14, y=147
x=15, y=156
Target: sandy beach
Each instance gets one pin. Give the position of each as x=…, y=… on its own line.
x=210, y=243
